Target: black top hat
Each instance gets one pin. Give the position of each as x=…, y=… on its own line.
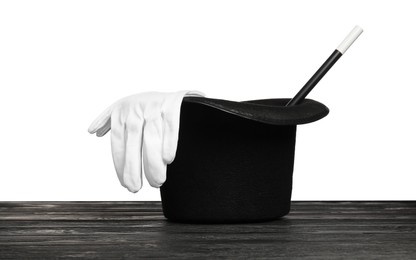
x=234, y=160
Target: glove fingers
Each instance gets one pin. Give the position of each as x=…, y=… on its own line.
x=171, y=116
x=154, y=166
x=101, y=121
x=170, y=139
x=118, y=144
x=103, y=130
x=132, y=175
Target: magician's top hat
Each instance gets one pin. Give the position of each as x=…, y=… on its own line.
x=234, y=160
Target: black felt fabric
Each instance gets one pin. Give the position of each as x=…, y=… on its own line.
x=230, y=166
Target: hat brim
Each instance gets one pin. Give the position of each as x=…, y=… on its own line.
x=269, y=111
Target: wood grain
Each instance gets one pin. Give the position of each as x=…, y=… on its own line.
x=105, y=230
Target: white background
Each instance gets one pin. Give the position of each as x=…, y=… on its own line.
x=63, y=62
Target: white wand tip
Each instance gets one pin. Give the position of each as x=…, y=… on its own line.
x=352, y=36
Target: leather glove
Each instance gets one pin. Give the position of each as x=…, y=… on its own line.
x=144, y=128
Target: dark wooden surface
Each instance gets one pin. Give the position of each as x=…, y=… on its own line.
x=314, y=230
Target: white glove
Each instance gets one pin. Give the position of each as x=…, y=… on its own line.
x=143, y=125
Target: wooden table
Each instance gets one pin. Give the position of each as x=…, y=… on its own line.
x=314, y=230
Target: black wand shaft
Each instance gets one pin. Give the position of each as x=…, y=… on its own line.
x=319, y=74
x=342, y=48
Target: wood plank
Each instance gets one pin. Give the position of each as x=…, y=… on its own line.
x=313, y=230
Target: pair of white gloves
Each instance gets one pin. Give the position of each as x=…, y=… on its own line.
x=144, y=131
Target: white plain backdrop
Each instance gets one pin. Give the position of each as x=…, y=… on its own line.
x=63, y=62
